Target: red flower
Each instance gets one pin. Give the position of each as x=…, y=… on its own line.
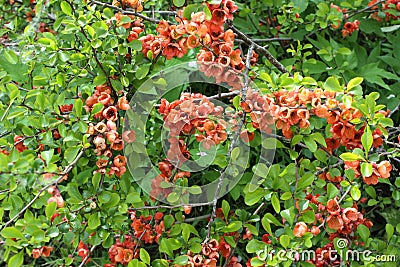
x=300, y=229
x=111, y=113
x=335, y=222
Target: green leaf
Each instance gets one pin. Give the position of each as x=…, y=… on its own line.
x=135, y=45
x=16, y=260
x=10, y=56
x=71, y=153
x=232, y=227
x=389, y=231
x=181, y=260
x=332, y=191
x=363, y=231
x=284, y=240
x=348, y=156
x=355, y=193
x=367, y=139
x=97, y=108
x=50, y=209
x=254, y=246
x=13, y=91
x=66, y=8
x=178, y=3
x=189, y=9
x=275, y=203
x=142, y=71
x=366, y=169
x=306, y=180
x=12, y=232
x=236, y=101
x=144, y=256
x=47, y=156
x=225, y=208
x=288, y=215
x=310, y=143
x=78, y=106
x=332, y=84
x=354, y=82
x=94, y=221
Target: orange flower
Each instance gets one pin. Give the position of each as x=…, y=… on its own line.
x=112, y=136
x=123, y=103
x=218, y=16
x=349, y=214
x=119, y=161
x=111, y=113
x=36, y=253
x=118, y=144
x=224, y=248
x=384, y=169
x=46, y=251
x=373, y=179
x=163, y=27
x=235, y=57
x=335, y=222
x=300, y=229
x=129, y=136
x=333, y=207
x=315, y=230
x=192, y=41
x=19, y=143
x=229, y=36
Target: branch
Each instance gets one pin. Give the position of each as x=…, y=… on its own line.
x=125, y=12
x=66, y=171
x=345, y=194
x=258, y=48
x=394, y=110
x=364, y=9
x=171, y=207
x=221, y=178
x=88, y=256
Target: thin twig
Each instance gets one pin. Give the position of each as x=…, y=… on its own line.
x=222, y=172
x=171, y=207
x=66, y=171
x=258, y=48
x=394, y=110
x=125, y=12
x=364, y=9
x=345, y=194
x=87, y=256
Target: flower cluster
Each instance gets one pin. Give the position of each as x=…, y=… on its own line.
x=210, y=254
x=131, y=23
x=55, y=196
x=83, y=250
x=344, y=221
x=192, y=114
x=349, y=27
x=284, y=108
x=143, y=230
x=217, y=51
x=106, y=137
x=19, y=143
x=379, y=170
x=123, y=252
x=43, y=251
x=387, y=7
x=135, y=4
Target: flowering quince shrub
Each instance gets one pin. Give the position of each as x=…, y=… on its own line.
x=324, y=94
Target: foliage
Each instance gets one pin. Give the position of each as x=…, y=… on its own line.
x=325, y=99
